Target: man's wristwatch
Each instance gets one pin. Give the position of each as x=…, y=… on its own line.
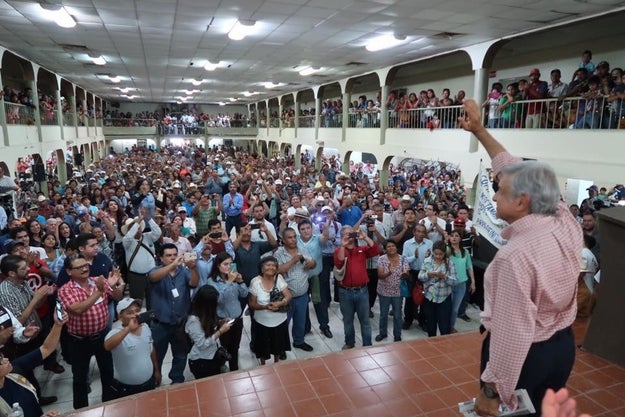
x=489, y=392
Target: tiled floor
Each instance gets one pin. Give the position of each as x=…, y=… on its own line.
x=418, y=377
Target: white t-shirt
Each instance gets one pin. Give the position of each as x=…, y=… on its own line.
x=266, y=317
x=132, y=357
x=591, y=266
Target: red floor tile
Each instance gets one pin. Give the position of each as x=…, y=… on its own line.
x=418, y=378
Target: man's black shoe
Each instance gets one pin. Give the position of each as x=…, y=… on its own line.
x=56, y=367
x=370, y=314
x=465, y=317
x=304, y=346
x=327, y=333
x=282, y=356
x=43, y=401
x=379, y=338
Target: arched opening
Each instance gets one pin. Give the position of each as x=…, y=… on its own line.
x=18, y=76
x=364, y=105
x=81, y=107
x=306, y=103
x=67, y=102
x=288, y=111
x=274, y=112
x=331, y=112
x=47, y=86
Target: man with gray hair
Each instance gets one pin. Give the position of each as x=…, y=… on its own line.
x=530, y=286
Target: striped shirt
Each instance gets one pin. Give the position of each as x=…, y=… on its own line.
x=530, y=289
x=435, y=289
x=297, y=276
x=16, y=297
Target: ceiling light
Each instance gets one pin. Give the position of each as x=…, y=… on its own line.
x=232, y=99
x=385, y=42
x=125, y=90
x=249, y=93
x=114, y=79
x=241, y=29
x=58, y=13
x=308, y=71
x=98, y=60
x=221, y=103
x=269, y=85
x=196, y=82
x=209, y=66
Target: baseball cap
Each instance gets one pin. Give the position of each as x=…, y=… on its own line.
x=124, y=303
x=81, y=211
x=535, y=71
x=278, y=182
x=41, y=198
x=459, y=221
x=176, y=184
x=324, y=208
x=182, y=209
x=592, y=187
x=11, y=244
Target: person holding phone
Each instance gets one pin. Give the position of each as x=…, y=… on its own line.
x=231, y=287
x=206, y=329
x=353, y=291
x=134, y=358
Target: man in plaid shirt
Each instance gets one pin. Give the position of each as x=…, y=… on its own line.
x=86, y=301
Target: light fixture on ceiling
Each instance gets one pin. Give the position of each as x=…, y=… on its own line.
x=241, y=29
x=221, y=103
x=197, y=82
x=209, y=66
x=385, y=42
x=114, y=79
x=249, y=93
x=58, y=13
x=269, y=85
x=308, y=71
x=125, y=90
x=232, y=99
x=98, y=60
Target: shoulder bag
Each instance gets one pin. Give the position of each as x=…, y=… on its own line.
x=339, y=273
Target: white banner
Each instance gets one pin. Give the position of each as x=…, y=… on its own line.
x=485, y=214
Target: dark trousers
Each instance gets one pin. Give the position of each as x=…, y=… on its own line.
x=548, y=365
x=231, y=341
x=321, y=308
x=233, y=221
x=465, y=300
x=372, y=286
x=201, y=368
x=82, y=349
x=123, y=390
x=437, y=316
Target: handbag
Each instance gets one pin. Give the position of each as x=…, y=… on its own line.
x=339, y=273
x=276, y=296
x=404, y=288
x=418, y=296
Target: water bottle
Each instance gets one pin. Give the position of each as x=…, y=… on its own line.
x=16, y=411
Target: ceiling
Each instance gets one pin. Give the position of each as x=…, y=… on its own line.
x=156, y=47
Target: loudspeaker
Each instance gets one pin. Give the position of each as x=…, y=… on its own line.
x=39, y=173
x=78, y=159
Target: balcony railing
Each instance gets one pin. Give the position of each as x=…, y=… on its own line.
x=68, y=119
x=19, y=114
x=331, y=120
x=307, y=121
x=49, y=117
x=364, y=118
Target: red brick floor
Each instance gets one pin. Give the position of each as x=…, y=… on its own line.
x=416, y=378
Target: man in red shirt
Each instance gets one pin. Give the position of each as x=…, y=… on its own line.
x=86, y=301
x=536, y=90
x=353, y=292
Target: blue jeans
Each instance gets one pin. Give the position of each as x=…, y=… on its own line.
x=457, y=296
x=355, y=301
x=321, y=308
x=163, y=335
x=298, y=312
x=385, y=303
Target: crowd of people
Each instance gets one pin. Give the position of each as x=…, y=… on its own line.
x=197, y=238
x=186, y=122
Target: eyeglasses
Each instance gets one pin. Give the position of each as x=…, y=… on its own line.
x=85, y=266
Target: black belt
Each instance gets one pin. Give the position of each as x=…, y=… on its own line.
x=91, y=337
x=353, y=288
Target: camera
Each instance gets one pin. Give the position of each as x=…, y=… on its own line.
x=146, y=317
x=320, y=219
x=254, y=226
x=353, y=235
x=214, y=235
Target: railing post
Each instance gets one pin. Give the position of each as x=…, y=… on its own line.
x=59, y=113
x=3, y=119
x=347, y=97
x=383, y=114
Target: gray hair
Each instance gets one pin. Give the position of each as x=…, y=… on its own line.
x=538, y=181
